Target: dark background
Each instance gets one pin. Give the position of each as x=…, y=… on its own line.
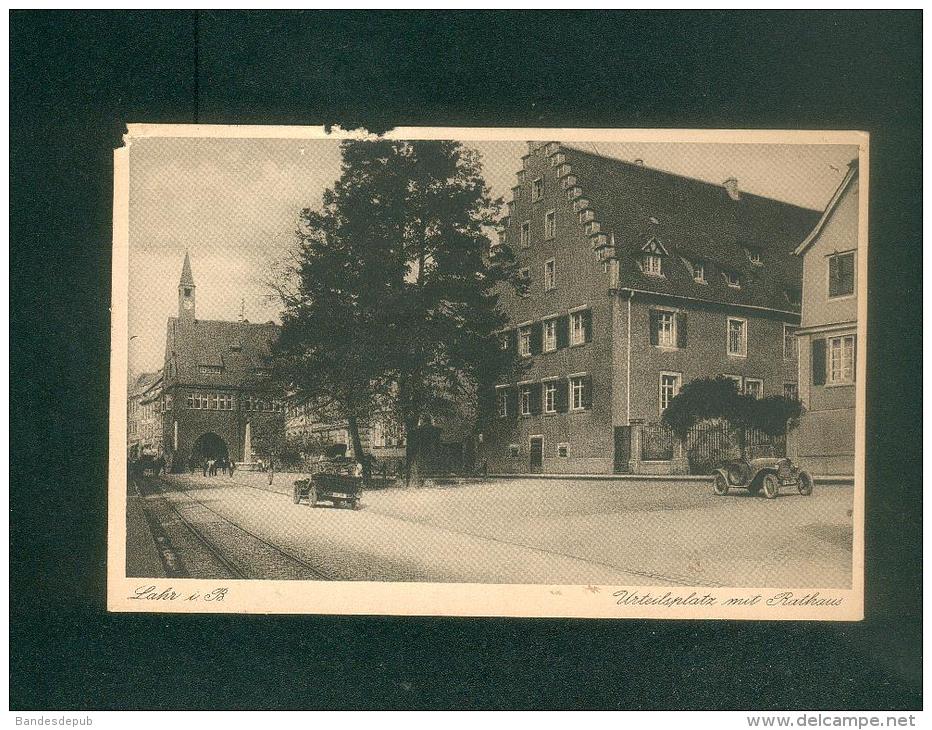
x=78, y=78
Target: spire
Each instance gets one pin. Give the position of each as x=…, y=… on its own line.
x=187, y=279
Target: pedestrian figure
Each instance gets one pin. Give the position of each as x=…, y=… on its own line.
x=232, y=467
x=206, y=466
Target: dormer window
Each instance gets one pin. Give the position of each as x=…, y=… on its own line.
x=699, y=272
x=753, y=256
x=652, y=264
x=652, y=254
x=731, y=278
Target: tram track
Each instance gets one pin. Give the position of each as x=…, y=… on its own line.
x=286, y=564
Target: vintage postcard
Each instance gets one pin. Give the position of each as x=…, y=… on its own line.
x=489, y=372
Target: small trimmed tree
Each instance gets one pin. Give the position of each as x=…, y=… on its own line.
x=706, y=399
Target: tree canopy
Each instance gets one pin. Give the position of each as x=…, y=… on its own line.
x=389, y=297
x=718, y=398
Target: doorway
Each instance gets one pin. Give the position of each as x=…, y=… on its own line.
x=537, y=454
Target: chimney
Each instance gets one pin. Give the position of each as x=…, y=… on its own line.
x=731, y=187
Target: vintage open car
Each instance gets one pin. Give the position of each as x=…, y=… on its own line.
x=337, y=479
x=766, y=474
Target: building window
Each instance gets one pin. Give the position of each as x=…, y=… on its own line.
x=579, y=398
x=737, y=380
x=550, y=335
x=754, y=387
x=753, y=256
x=793, y=296
x=790, y=345
x=791, y=391
x=514, y=450
x=652, y=264
x=841, y=360
x=669, y=388
x=550, y=275
x=841, y=274
x=526, y=234
x=525, y=400
x=699, y=273
x=503, y=341
x=580, y=327
x=731, y=278
x=524, y=280
x=666, y=329
x=737, y=337
x=502, y=403
x=563, y=451
x=550, y=397
x=525, y=341
x=550, y=225
x=537, y=189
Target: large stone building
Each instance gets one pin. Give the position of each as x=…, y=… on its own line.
x=640, y=281
x=824, y=440
x=218, y=402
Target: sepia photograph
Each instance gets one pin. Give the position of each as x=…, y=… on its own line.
x=607, y=373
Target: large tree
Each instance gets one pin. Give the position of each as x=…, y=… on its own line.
x=389, y=300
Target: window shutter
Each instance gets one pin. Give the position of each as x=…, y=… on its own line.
x=537, y=338
x=512, y=402
x=587, y=392
x=818, y=362
x=563, y=332
x=587, y=325
x=832, y=276
x=681, y=330
x=854, y=359
x=654, y=327
x=563, y=400
x=536, y=398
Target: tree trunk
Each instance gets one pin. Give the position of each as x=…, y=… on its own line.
x=412, y=455
x=352, y=425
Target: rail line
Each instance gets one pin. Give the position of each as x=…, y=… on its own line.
x=216, y=552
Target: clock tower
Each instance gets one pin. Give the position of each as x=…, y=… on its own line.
x=186, y=292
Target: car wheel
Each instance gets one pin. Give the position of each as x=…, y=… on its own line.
x=721, y=485
x=771, y=486
x=297, y=494
x=805, y=484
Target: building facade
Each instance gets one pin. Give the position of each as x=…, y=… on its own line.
x=143, y=409
x=218, y=402
x=638, y=282
x=824, y=440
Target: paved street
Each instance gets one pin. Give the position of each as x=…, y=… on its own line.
x=520, y=531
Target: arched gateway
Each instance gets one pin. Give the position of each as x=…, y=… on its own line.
x=209, y=446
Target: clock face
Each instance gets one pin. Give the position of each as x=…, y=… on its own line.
x=188, y=303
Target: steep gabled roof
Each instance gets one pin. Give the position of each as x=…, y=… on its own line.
x=698, y=221
x=239, y=349
x=850, y=176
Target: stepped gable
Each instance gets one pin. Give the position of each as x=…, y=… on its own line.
x=627, y=207
x=240, y=349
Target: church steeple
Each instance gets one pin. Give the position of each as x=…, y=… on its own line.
x=186, y=292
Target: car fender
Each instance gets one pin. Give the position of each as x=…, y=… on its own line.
x=759, y=476
x=724, y=473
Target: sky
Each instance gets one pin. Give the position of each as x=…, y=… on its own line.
x=233, y=204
